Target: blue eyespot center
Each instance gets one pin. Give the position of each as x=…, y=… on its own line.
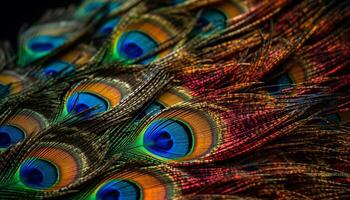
x=111, y=195
x=106, y=30
x=168, y=138
x=10, y=135
x=212, y=17
x=119, y=190
x=108, y=27
x=135, y=44
x=282, y=83
x=38, y=173
x=163, y=142
x=34, y=176
x=87, y=103
x=80, y=107
x=41, y=46
x=151, y=110
x=132, y=50
x=203, y=22
x=5, y=139
x=45, y=44
x=57, y=68
x=215, y=17
x=4, y=90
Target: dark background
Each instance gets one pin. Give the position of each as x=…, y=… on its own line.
x=14, y=14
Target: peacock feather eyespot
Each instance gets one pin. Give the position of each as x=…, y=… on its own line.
x=134, y=185
x=152, y=109
x=282, y=83
x=211, y=17
x=179, y=134
x=118, y=189
x=43, y=44
x=171, y=97
x=216, y=18
x=40, y=46
x=58, y=68
x=69, y=63
x=4, y=90
x=135, y=44
x=51, y=167
x=95, y=97
x=38, y=173
x=108, y=27
x=293, y=75
x=168, y=138
x=140, y=39
x=86, y=102
x=41, y=40
x=11, y=83
x=10, y=135
x=159, y=138
x=21, y=125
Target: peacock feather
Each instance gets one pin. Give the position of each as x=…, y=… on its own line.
x=178, y=99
